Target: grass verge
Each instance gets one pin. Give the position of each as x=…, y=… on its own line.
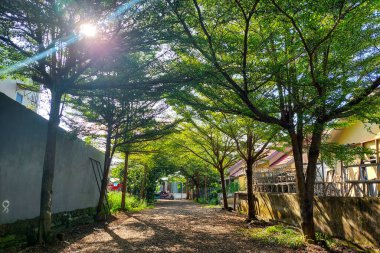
x=207, y=201
x=289, y=237
x=132, y=204
x=211, y=206
x=278, y=235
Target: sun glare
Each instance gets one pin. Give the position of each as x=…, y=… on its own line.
x=87, y=30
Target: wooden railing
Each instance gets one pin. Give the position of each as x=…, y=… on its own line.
x=361, y=185
x=285, y=182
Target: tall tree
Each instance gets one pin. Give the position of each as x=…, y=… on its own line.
x=252, y=141
x=122, y=118
x=213, y=147
x=298, y=71
x=187, y=164
x=137, y=133
x=55, y=54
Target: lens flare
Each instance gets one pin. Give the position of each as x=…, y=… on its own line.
x=87, y=30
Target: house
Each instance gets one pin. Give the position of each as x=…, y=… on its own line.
x=174, y=187
x=363, y=169
x=276, y=172
x=360, y=134
x=17, y=91
x=237, y=175
x=276, y=162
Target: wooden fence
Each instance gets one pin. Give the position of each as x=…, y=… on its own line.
x=285, y=182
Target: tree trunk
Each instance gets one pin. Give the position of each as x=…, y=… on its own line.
x=308, y=202
x=187, y=189
x=142, y=190
x=251, y=197
x=224, y=192
x=307, y=221
x=44, y=228
x=305, y=183
x=124, y=189
x=205, y=188
x=107, y=164
x=197, y=191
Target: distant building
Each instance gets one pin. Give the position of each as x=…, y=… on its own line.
x=175, y=188
x=15, y=89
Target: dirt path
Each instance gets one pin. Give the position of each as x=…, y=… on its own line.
x=172, y=226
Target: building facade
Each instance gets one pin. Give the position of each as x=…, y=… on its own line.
x=360, y=178
x=16, y=90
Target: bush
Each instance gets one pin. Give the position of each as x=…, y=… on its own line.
x=132, y=203
x=214, y=201
x=209, y=201
x=233, y=187
x=201, y=200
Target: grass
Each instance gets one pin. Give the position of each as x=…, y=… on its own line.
x=336, y=244
x=208, y=201
x=211, y=206
x=292, y=238
x=277, y=234
x=13, y=242
x=132, y=204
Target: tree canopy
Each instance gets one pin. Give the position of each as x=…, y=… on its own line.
x=240, y=74
x=298, y=71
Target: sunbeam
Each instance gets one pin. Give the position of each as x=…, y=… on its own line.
x=72, y=39
x=120, y=11
x=87, y=30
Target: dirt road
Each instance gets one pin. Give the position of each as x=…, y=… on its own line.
x=172, y=226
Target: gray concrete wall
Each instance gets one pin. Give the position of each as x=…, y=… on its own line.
x=354, y=219
x=22, y=147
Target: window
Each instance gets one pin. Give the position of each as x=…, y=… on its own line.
x=19, y=97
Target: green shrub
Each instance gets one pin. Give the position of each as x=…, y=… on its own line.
x=233, y=187
x=209, y=201
x=201, y=200
x=214, y=201
x=132, y=203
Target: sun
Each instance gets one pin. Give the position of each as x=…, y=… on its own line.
x=87, y=30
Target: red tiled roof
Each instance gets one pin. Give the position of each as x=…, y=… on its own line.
x=282, y=161
x=271, y=154
x=238, y=173
x=277, y=159
x=237, y=169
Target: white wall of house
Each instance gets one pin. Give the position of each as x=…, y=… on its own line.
x=27, y=98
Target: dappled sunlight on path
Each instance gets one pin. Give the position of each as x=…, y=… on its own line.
x=172, y=226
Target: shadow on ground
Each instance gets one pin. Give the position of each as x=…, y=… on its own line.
x=172, y=226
